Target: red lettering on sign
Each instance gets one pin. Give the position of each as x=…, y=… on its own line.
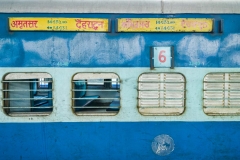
x=195, y=24
x=22, y=24
x=129, y=23
x=161, y=57
x=89, y=24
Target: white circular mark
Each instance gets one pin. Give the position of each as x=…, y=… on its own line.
x=163, y=145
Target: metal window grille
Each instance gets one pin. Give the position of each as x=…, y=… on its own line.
x=23, y=96
x=96, y=94
x=161, y=94
x=221, y=94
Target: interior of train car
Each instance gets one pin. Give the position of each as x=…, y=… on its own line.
x=100, y=95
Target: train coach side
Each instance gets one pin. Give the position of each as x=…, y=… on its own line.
x=119, y=79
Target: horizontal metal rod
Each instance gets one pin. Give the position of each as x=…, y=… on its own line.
x=158, y=107
x=11, y=99
x=223, y=90
x=168, y=90
x=221, y=98
x=160, y=82
x=96, y=107
x=161, y=98
x=11, y=90
x=221, y=81
x=30, y=107
x=221, y=106
x=94, y=98
x=95, y=90
x=95, y=82
x=26, y=81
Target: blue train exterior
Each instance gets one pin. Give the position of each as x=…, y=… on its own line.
x=127, y=135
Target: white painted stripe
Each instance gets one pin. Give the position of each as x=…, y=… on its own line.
x=120, y=6
x=62, y=95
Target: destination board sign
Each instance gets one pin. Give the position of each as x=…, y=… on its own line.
x=59, y=24
x=164, y=25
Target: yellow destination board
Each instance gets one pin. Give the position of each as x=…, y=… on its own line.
x=59, y=24
x=164, y=25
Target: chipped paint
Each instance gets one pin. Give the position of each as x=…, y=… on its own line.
x=163, y=145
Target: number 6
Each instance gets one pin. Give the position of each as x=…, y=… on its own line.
x=161, y=57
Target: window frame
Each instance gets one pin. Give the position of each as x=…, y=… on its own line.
x=161, y=111
x=27, y=81
x=85, y=76
x=220, y=110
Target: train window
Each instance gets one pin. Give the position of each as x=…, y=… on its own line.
x=161, y=93
x=27, y=94
x=96, y=94
x=221, y=94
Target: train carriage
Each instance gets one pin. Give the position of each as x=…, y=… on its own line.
x=154, y=79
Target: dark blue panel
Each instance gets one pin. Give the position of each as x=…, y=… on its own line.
x=118, y=140
x=79, y=49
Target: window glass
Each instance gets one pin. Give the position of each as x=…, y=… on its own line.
x=96, y=94
x=161, y=94
x=221, y=94
x=27, y=94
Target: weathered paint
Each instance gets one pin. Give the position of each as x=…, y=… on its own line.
x=128, y=135
x=122, y=140
x=73, y=49
x=163, y=145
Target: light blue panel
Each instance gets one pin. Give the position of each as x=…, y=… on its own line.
x=162, y=57
x=62, y=95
